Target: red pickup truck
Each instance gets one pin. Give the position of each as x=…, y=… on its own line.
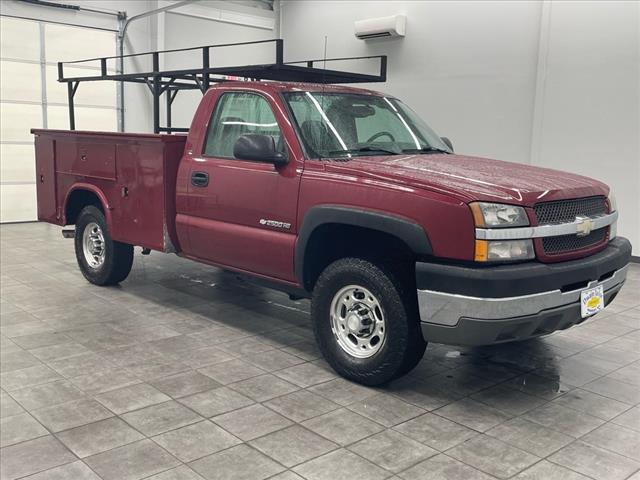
x=345, y=196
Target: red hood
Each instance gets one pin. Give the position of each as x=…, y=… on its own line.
x=473, y=178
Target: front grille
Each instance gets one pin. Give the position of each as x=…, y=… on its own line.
x=565, y=211
x=569, y=243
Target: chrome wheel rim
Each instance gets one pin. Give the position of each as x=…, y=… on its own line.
x=357, y=321
x=93, y=245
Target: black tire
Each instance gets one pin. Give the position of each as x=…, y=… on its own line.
x=118, y=257
x=403, y=346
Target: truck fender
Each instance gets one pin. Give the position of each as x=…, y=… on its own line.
x=106, y=207
x=405, y=229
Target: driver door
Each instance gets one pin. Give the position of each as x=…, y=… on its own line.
x=241, y=213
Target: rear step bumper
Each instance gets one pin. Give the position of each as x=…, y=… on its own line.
x=462, y=319
x=68, y=233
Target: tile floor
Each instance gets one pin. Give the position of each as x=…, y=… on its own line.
x=185, y=372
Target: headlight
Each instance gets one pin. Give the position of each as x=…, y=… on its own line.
x=497, y=215
x=504, y=250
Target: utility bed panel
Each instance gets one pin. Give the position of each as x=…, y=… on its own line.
x=134, y=175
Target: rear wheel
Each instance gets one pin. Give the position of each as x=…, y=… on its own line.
x=102, y=261
x=365, y=321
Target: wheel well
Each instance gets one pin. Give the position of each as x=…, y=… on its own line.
x=332, y=241
x=78, y=199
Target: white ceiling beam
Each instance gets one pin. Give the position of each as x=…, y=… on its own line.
x=216, y=11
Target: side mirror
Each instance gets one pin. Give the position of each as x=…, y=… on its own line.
x=258, y=147
x=447, y=142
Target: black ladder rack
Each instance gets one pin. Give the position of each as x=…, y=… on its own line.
x=170, y=82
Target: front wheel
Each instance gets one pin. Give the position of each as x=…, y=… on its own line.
x=102, y=260
x=365, y=321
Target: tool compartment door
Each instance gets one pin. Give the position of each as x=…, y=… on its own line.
x=46, y=180
x=89, y=159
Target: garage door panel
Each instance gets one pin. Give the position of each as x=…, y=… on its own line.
x=20, y=81
x=88, y=93
x=21, y=99
x=18, y=203
x=65, y=43
x=16, y=120
x=19, y=39
x=87, y=118
x=17, y=163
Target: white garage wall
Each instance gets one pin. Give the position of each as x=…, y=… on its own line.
x=194, y=26
x=22, y=82
x=516, y=81
x=139, y=39
x=525, y=81
x=20, y=109
x=467, y=67
x=588, y=104
x=31, y=98
x=181, y=29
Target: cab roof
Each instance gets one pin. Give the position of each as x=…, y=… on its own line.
x=298, y=87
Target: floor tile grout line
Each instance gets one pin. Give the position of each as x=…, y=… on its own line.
x=234, y=446
x=58, y=466
x=345, y=406
x=144, y=437
x=52, y=435
x=469, y=395
x=581, y=439
x=49, y=432
x=587, y=413
x=242, y=442
x=571, y=469
x=573, y=441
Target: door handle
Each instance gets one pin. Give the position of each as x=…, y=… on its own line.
x=199, y=179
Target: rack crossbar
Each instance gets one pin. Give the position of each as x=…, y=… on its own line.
x=169, y=82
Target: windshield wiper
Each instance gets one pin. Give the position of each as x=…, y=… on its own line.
x=366, y=149
x=425, y=150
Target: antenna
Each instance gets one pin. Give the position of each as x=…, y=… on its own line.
x=324, y=60
x=324, y=82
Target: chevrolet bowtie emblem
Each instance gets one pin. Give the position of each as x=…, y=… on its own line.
x=584, y=225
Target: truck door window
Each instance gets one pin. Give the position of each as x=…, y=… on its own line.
x=236, y=114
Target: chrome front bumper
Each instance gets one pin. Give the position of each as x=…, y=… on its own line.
x=462, y=305
x=447, y=309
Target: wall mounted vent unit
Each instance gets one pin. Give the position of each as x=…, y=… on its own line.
x=394, y=26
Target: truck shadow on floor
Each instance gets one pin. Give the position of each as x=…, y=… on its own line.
x=211, y=298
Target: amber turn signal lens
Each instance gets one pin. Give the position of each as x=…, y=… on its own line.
x=482, y=251
x=478, y=216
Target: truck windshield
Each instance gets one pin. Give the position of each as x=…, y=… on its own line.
x=344, y=125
